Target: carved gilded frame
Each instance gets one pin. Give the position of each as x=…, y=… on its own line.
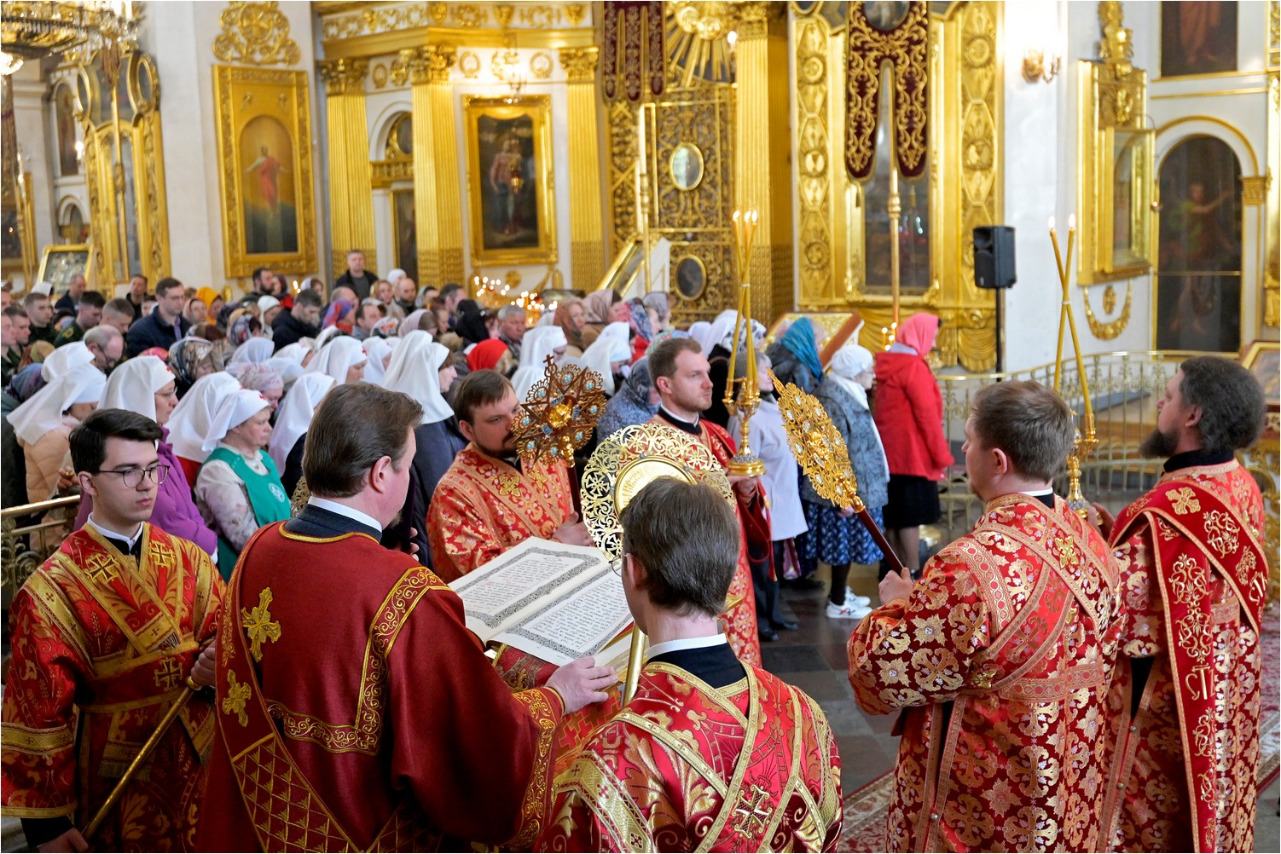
x=1116, y=178
x=537, y=108
x=246, y=95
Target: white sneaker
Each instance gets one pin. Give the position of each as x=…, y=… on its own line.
x=847, y=611
x=852, y=598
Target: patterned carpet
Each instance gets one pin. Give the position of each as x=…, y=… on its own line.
x=866, y=808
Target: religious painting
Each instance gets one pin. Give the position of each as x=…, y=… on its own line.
x=61, y=263
x=64, y=115
x=404, y=222
x=510, y=196
x=1198, y=38
x=1263, y=360
x=264, y=146
x=1198, y=300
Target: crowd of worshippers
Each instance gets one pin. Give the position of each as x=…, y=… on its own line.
x=1065, y=684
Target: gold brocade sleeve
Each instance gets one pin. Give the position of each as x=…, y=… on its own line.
x=1143, y=618
x=546, y=707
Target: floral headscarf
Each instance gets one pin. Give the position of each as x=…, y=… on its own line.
x=185, y=357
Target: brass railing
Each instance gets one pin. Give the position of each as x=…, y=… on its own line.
x=29, y=533
x=1124, y=387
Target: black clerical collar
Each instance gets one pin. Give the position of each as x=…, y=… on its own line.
x=716, y=665
x=1199, y=457
x=690, y=427
x=123, y=543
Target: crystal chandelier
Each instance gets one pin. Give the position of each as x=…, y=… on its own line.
x=34, y=29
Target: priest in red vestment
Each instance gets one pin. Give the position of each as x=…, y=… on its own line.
x=681, y=375
x=712, y=754
x=1194, y=578
x=355, y=711
x=104, y=637
x=489, y=500
x=1001, y=655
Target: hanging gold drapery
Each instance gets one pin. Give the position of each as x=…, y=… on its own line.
x=633, y=53
x=906, y=47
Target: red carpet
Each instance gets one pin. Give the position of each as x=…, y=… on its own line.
x=866, y=809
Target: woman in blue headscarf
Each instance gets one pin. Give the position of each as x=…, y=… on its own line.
x=795, y=356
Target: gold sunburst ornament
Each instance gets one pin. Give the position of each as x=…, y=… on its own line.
x=819, y=448
x=560, y=413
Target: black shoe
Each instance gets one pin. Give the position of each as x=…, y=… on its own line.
x=768, y=635
x=785, y=625
x=807, y=583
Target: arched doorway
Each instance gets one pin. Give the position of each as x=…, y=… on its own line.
x=1198, y=296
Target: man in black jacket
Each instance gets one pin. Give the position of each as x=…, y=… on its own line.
x=302, y=321
x=357, y=277
x=165, y=325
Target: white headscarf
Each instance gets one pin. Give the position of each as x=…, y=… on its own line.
x=318, y=343
x=538, y=343
x=846, y=364
x=235, y=409
x=64, y=359
x=701, y=331
x=758, y=335
x=722, y=327
x=413, y=371
x=611, y=346
x=377, y=349
x=293, y=352
x=288, y=369
x=294, y=416
x=134, y=383
x=337, y=357
x=191, y=419
x=396, y=275
x=42, y=412
x=410, y=323
x=254, y=350
x=267, y=303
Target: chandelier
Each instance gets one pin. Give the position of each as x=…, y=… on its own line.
x=34, y=29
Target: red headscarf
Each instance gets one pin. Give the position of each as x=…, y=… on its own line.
x=919, y=332
x=486, y=354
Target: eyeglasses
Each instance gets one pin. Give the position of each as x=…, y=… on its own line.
x=132, y=477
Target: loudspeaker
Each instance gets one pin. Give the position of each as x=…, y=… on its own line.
x=994, y=256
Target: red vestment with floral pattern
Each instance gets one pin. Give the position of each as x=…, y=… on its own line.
x=357, y=712
x=749, y=767
x=1000, y=661
x=102, y=645
x=1194, y=580
x=740, y=620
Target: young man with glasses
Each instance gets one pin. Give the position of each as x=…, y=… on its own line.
x=106, y=636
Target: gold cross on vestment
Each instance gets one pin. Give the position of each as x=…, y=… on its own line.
x=753, y=812
x=259, y=626
x=169, y=674
x=101, y=568
x=237, y=696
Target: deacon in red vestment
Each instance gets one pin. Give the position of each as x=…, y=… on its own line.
x=104, y=636
x=1000, y=656
x=681, y=375
x=1194, y=576
x=712, y=753
x=393, y=732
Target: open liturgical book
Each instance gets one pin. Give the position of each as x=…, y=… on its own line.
x=551, y=600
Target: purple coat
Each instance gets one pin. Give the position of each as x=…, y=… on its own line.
x=174, y=512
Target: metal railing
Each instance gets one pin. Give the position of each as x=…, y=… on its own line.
x=29, y=534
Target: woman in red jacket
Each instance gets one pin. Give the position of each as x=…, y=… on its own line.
x=909, y=415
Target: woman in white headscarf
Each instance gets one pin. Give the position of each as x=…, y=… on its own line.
x=420, y=368
x=609, y=354
x=378, y=351
x=538, y=343
x=192, y=418
x=288, y=437
x=342, y=358
x=701, y=331
x=238, y=489
x=44, y=423
x=254, y=350
x=65, y=358
x=835, y=536
x=146, y=385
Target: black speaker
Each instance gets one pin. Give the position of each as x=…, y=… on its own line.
x=994, y=256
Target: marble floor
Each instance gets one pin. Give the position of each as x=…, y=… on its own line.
x=813, y=659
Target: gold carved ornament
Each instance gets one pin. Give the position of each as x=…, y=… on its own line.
x=1106, y=331
x=255, y=34
x=821, y=452
x=559, y=413
x=906, y=47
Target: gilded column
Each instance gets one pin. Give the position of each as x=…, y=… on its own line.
x=762, y=175
x=438, y=205
x=586, y=224
x=351, y=195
